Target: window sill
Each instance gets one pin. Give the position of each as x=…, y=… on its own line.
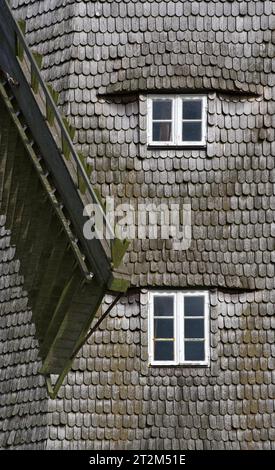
x=176, y=147
x=180, y=366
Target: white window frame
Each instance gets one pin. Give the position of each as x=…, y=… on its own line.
x=176, y=120
x=179, y=328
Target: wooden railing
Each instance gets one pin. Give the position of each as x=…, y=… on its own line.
x=14, y=53
x=63, y=132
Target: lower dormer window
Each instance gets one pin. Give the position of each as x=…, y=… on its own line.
x=177, y=120
x=179, y=328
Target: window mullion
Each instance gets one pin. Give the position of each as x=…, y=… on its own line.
x=150, y=120
x=174, y=120
x=203, y=119
x=177, y=329
x=174, y=130
x=150, y=330
x=181, y=330
x=207, y=329
x=178, y=120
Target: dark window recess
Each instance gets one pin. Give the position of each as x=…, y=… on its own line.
x=191, y=131
x=163, y=328
x=164, y=351
x=194, y=328
x=194, y=351
x=191, y=109
x=162, y=120
x=162, y=131
x=163, y=306
x=194, y=306
x=162, y=110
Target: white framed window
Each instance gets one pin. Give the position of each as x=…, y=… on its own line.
x=176, y=120
x=179, y=328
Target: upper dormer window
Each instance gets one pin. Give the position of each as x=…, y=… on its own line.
x=177, y=120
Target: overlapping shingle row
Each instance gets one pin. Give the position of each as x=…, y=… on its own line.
x=23, y=400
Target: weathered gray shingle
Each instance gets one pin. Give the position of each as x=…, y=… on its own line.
x=22, y=389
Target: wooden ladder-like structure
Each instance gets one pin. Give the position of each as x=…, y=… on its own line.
x=45, y=187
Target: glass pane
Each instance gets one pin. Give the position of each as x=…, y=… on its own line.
x=194, y=306
x=191, y=109
x=162, y=109
x=194, y=350
x=191, y=131
x=194, y=328
x=164, y=351
x=163, y=328
x=163, y=306
x=162, y=131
